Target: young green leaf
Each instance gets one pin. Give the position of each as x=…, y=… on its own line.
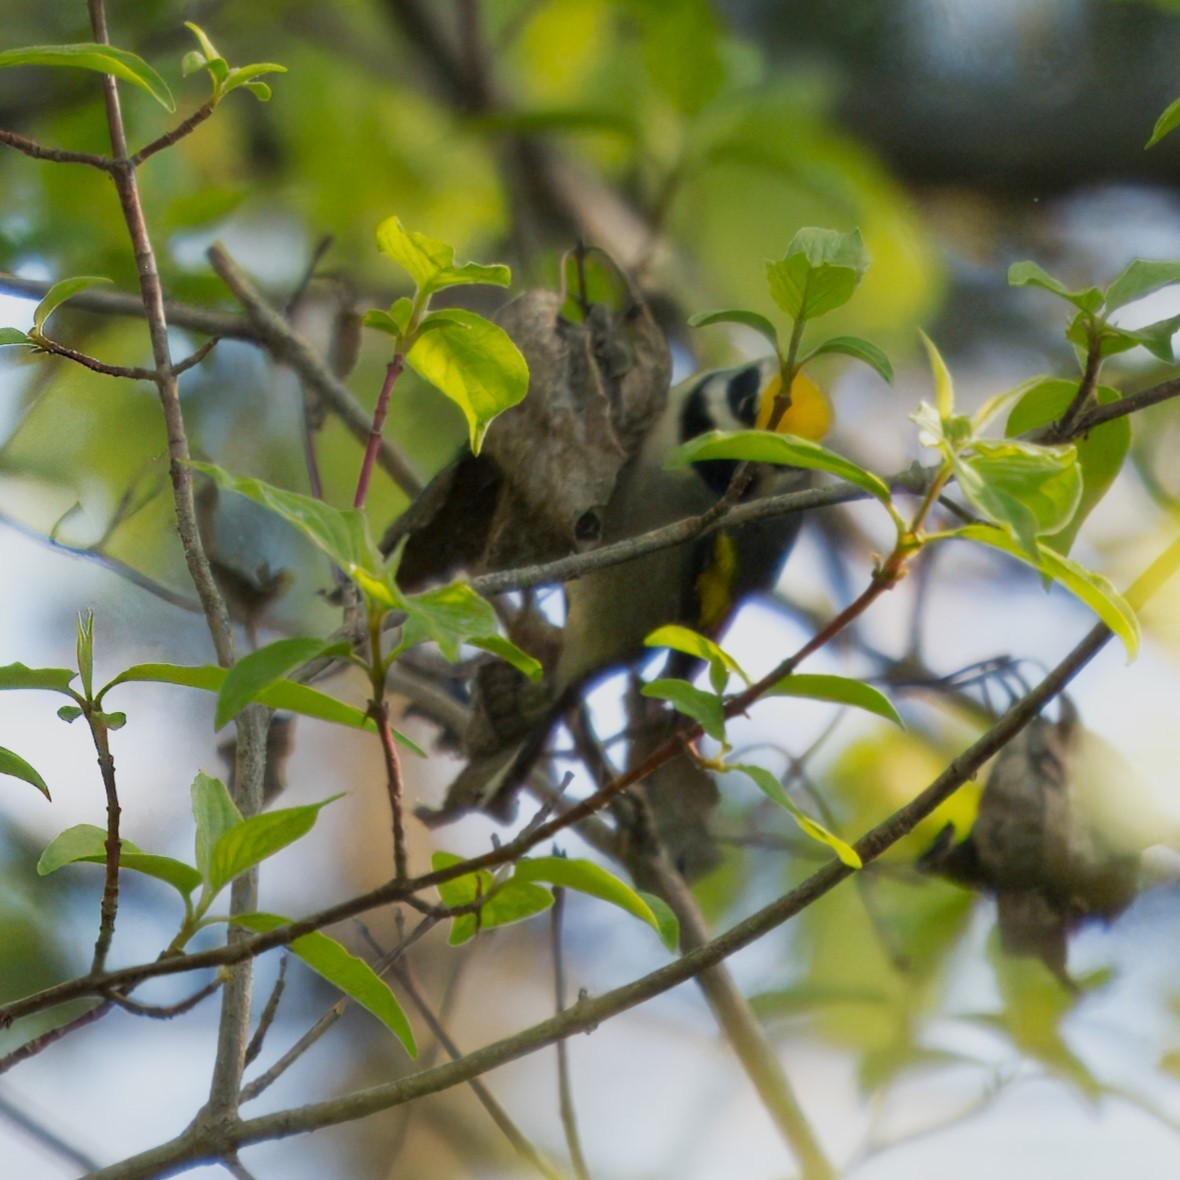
x=85, y=649
x=103, y=59
x=51, y=679
x=69, y=713
x=353, y=976
x=1025, y=488
x=16, y=336
x=280, y=694
x=681, y=639
x=773, y=789
x=87, y=843
x=1142, y=277
x=586, y=877
x=497, y=645
x=59, y=293
x=431, y=263
x=761, y=446
x=245, y=844
x=14, y=766
x=341, y=533
x=666, y=921
x=474, y=363
x=215, y=813
x=819, y=272
x=246, y=76
x=749, y=319
x=1029, y=274
x=1167, y=122
x=861, y=350
x=503, y=903
x=1100, y=451
x=254, y=672
x=1091, y=588
x=705, y=708
x=839, y=690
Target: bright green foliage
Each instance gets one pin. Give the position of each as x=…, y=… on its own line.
x=14, y=766
x=51, y=679
x=224, y=77
x=764, y=446
x=682, y=639
x=1100, y=451
x=1165, y=124
x=467, y=357
x=769, y=785
x=819, y=272
x=838, y=690
x=103, y=59
x=353, y=976
x=707, y=709
x=87, y=843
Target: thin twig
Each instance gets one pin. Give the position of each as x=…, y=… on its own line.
x=30, y=147
x=40, y=1043
x=176, y=134
x=373, y=444
x=165, y=1011
x=110, y=892
x=565, y=1091
x=269, y=1012
x=487, y=1100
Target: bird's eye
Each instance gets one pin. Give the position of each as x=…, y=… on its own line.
x=588, y=527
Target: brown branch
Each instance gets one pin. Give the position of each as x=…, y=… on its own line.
x=176, y=134
x=40, y=1043
x=164, y=1011
x=202, y=1140
x=565, y=1090
x=110, y=891
x=30, y=147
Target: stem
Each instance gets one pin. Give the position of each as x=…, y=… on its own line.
x=110, y=891
x=379, y=711
x=392, y=372
x=1085, y=391
x=569, y=1117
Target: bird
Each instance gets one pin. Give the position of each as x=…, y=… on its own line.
x=610, y=611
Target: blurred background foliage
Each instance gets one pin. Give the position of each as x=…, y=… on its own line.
x=691, y=139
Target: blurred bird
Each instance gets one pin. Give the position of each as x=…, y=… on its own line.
x=698, y=584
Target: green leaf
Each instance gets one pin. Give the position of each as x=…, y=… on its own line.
x=1025, y=488
x=705, y=708
x=1156, y=338
x=353, y=976
x=103, y=59
x=510, y=654
x=87, y=843
x=769, y=785
x=341, y=533
x=1029, y=274
x=246, y=75
x=861, y=350
x=944, y=387
x=431, y=263
x=1166, y=123
x=1141, y=278
x=720, y=662
x=253, y=840
x=1091, y=588
x=215, y=813
x=382, y=321
x=51, y=679
x=474, y=363
x=282, y=694
x=1100, y=452
x=69, y=713
x=585, y=876
x=750, y=319
x=505, y=902
x=85, y=649
x=208, y=49
x=16, y=336
x=15, y=766
x=840, y=690
x=819, y=272
x=761, y=446
x=449, y=615
x=253, y=673
x=668, y=923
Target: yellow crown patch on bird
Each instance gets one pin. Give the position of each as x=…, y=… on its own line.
x=809, y=415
